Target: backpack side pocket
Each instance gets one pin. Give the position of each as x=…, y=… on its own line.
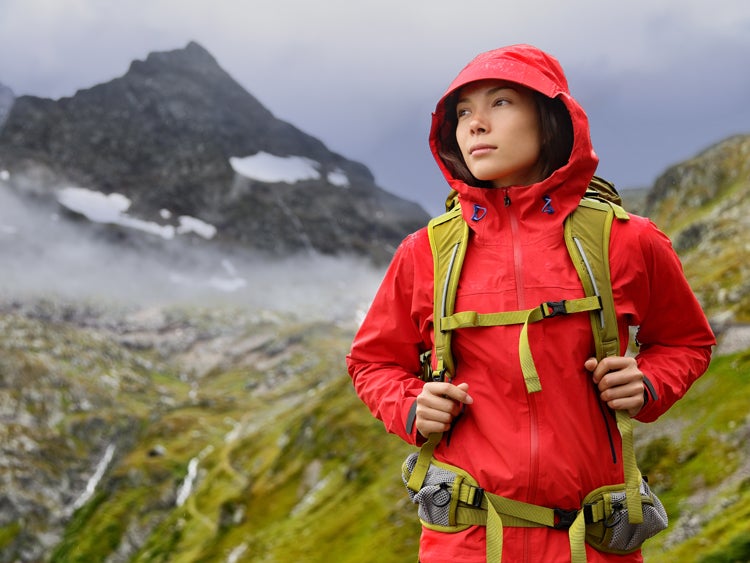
x=438, y=498
x=609, y=529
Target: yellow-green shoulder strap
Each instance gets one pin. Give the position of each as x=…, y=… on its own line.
x=587, y=233
x=449, y=235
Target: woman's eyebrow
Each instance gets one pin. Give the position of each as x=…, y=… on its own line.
x=489, y=92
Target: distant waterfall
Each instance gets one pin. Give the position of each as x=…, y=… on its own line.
x=187, y=485
x=93, y=481
x=236, y=553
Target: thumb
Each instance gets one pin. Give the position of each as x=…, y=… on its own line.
x=591, y=364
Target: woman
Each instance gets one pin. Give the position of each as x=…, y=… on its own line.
x=516, y=147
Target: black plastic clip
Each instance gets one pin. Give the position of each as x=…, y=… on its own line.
x=588, y=513
x=478, y=497
x=553, y=309
x=440, y=375
x=564, y=518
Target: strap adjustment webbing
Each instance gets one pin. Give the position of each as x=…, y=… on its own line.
x=495, y=512
x=548, y=309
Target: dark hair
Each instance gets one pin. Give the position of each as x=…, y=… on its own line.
x=556, y=131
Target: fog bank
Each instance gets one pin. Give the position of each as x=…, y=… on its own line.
x=46, y=255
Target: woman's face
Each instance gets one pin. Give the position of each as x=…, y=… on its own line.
x=498, y=133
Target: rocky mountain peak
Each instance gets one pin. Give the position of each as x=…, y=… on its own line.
x=165, y=134
x=698, y=180
x=193, y=56
x=702, y=205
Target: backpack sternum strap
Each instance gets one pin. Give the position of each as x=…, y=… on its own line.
x=468, y=319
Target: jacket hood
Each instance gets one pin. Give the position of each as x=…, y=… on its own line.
x=530, y=67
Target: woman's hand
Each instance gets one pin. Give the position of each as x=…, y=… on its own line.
x=438, y=405
x=620, y=382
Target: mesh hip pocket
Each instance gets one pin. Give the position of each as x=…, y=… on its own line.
x=615, y=534
x=438, y=498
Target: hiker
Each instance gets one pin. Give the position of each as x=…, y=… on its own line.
x=515, y=146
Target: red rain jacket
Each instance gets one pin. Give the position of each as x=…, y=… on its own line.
x=553, y=447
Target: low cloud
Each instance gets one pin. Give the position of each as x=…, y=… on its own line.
x=48, y=255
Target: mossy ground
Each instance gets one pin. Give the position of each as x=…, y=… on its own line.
x=292, y=467
x=702, y=473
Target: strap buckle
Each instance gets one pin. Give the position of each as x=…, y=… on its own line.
x=564, y=518
x=588, y=513
x=476, y=502
x=553, y=309
x=440, y=375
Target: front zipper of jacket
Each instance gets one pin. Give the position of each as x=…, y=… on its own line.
x=531, y=398
x=517, y=253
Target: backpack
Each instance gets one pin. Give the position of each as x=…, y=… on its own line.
x=586, y=232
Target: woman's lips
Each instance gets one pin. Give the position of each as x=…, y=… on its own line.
x=478, y=150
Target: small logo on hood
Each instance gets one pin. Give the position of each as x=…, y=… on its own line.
x=479, y=212
x=547, y=207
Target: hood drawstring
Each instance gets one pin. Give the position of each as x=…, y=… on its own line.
x=507, y=198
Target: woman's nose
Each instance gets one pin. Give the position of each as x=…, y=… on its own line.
x=477, y=124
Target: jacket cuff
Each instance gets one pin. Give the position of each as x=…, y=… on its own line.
x=649, y=393
x=410, y=426
x=411, y=417
x=650, y=396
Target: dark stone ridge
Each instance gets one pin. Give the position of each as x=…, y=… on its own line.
x=163, y=134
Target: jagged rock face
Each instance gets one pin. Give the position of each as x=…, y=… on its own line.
x=702, y=205
x=699, y=180
x=163, y=135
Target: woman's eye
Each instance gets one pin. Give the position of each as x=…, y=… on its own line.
x=461, y=112
x=501, y=102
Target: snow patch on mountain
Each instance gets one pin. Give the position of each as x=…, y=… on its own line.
x=112, y=209
x=266, y=167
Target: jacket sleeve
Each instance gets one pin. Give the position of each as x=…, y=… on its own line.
x=384, y=358
x=674, y=335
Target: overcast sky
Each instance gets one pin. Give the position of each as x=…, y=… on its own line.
x=660, y=79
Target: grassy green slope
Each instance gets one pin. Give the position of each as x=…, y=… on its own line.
x=698, y=459
x=302, y=472
x=296, y=470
